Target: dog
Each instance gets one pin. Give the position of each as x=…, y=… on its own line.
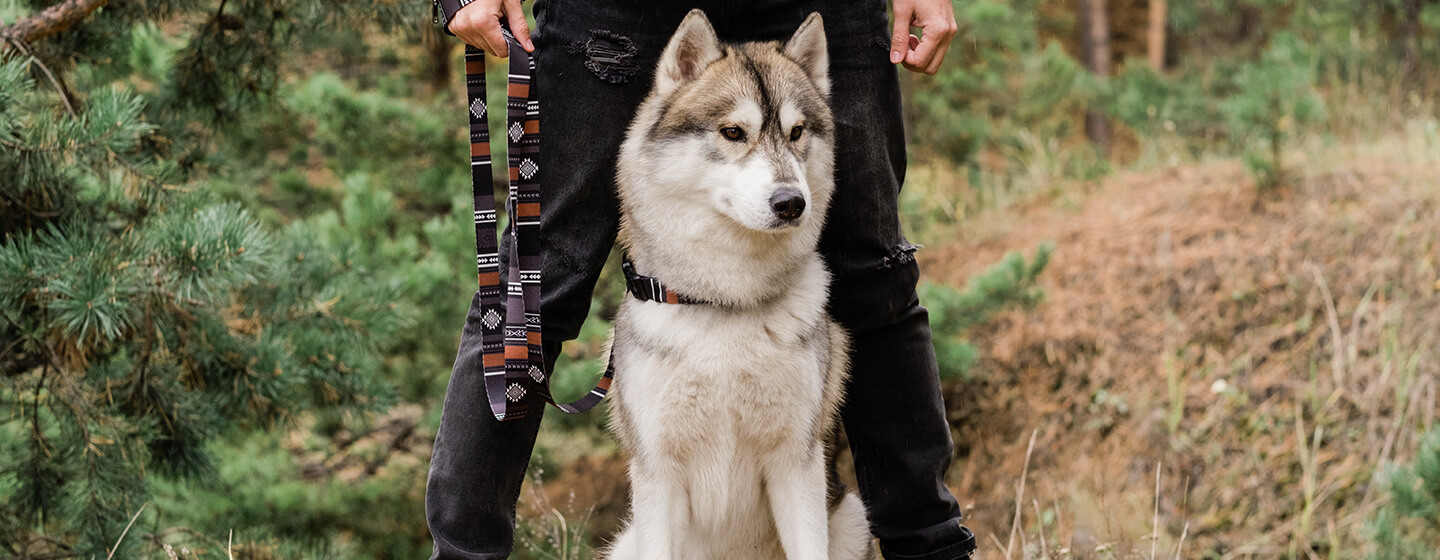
x=725, y=405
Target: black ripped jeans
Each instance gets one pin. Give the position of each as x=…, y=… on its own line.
x=596, y=59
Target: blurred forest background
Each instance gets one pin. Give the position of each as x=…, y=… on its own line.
x=1181, y=261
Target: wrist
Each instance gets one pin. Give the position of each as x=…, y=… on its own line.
x=445, y=11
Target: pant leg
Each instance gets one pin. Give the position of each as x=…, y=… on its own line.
x=894, y=415
x=479, y=463
x=895, y=420
x=595, y=63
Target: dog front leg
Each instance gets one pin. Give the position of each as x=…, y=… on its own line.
x=659, y=517
x=796, y=488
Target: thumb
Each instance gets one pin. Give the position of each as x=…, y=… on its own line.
x=516, y=16
x=900, y=37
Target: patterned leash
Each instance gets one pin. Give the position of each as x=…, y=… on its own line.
x=514, y=363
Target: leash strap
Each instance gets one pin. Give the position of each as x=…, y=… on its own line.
x=514, y=363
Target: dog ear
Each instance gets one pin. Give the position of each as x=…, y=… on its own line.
x=693, y=48
x=807, y=48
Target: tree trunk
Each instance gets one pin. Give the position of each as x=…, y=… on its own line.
x=1097, y=50
x=1156, y=36
x=438, y=49
x=1411, y=33
x=1249, y=24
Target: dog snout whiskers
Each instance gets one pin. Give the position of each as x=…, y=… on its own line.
x=788, y=204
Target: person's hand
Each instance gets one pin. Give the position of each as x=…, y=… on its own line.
x=478, y=23
x=936, y=19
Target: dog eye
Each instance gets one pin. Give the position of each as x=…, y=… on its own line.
x=733, y=133
x=796, y=132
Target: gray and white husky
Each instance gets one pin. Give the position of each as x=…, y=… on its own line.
x=725, y=406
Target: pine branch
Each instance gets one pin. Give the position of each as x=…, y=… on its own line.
x=52, y=20
x=7, y=41
x=24, y=47
x=59, y=147
x=32, y=210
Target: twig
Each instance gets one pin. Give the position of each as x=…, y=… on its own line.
x=1040, y=528
x=1337, y=342
x=1394, y=432
x=1356, y=318
x=21, y=203
x=1020, y=493
x=1181, y=546
x=20, y=44
x=1309, y=462
x=999, y=545
x=126, y=531
x=1155, y=525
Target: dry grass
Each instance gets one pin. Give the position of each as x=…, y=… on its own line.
x=1267, y=353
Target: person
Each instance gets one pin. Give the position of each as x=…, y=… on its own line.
x=594, y=62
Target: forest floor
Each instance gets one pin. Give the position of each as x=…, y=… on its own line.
x=1213, y=373
x=1249, y=359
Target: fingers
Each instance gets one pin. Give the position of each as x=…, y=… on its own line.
x=518, y=26
x=478, y=23
x=937, y=20
x=490, y=37
x=900, y=36
x=929, y=53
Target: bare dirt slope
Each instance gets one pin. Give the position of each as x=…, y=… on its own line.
x=1267, y=352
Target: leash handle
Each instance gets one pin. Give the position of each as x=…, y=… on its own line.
x=513, y=360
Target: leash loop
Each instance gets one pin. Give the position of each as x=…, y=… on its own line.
x=516, y=382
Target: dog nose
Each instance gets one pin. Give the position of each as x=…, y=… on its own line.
x=788, y=204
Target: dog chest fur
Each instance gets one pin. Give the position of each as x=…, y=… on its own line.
x=711, y=396
x=707, y=369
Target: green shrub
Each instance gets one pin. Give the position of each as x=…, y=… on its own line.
x=1408, y=527
x=1180, y=106
x=1008, y=283
x=1274, y=100
x=1003, y=89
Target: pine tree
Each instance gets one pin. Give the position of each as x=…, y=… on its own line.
x=141, y=318
x=1274, y=101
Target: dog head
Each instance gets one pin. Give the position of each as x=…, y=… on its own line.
x=735, y=136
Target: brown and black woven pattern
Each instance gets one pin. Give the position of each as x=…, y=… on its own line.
x=514, y=364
